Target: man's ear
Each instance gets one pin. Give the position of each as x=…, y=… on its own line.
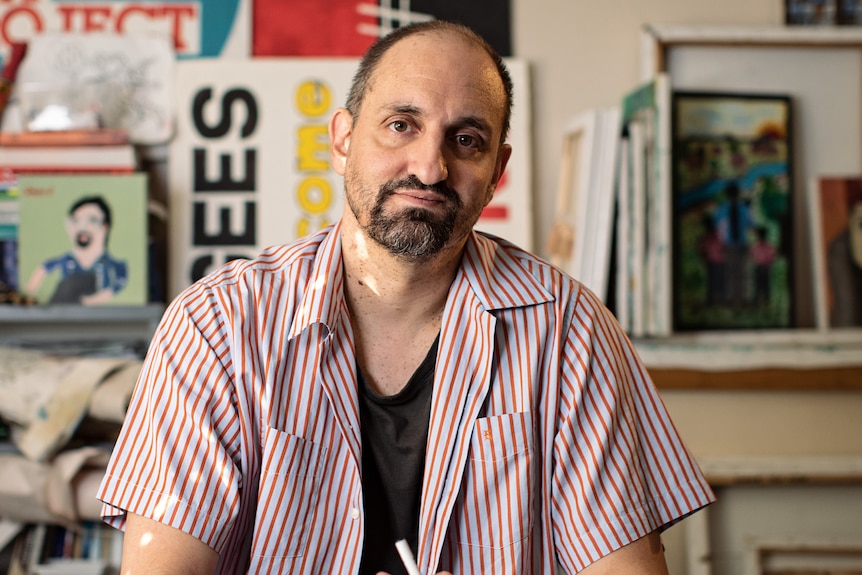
x=340, y=130
x=502, y=161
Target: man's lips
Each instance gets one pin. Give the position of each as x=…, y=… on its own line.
x=422, y=196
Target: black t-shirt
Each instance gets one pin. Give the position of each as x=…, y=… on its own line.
x=394, y=433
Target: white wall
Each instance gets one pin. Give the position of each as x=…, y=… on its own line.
x=584, y=54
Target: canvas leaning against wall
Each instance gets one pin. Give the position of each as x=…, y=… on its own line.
x=835, y=218
x=732, y=201
x=83, y=238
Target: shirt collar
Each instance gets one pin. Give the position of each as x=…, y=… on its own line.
x=500, y=275
x=323, y=298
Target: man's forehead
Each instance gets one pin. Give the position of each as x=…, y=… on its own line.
x=428, y=59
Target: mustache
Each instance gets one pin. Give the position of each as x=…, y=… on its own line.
x=411, y=182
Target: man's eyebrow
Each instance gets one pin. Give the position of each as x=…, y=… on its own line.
x=405, y=109
x=464, y=122
x=473, y=122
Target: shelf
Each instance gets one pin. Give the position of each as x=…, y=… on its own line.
x=77, y=313
x=656, y=40
x=58, y=323
x=721, y=471
x=798, y=359
x=756, y=35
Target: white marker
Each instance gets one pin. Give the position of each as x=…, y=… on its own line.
x=407, y=557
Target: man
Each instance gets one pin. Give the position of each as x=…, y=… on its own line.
x=89, y=275
x=399, y=375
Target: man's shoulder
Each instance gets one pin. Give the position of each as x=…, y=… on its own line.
x=295, y=259
x=532, y=263
x=502, y=260
x=302, y=249
x=493, y=243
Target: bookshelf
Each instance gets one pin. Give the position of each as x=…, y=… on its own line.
x=821, y=68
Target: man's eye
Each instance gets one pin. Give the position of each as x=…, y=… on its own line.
x=467, y=141
x=399, y=126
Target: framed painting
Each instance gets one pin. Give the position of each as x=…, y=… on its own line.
x=835, y=221
x=83, y=238
x=732, y=180
x=848, y=13
x=810, y=12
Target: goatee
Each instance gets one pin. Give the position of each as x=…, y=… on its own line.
x=413, y=232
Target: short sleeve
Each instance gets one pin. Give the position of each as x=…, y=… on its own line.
x=176, y=459
x=621, y=469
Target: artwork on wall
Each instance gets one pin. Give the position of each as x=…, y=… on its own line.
x=348, y=27
x=823, y=12
x=835, y=220
x=809, y=12
x=732, y=201
x=197, y=28
x=72, y=81
x=83, y=238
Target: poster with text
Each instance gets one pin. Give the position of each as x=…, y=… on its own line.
x=249, y=165
x=199, y=28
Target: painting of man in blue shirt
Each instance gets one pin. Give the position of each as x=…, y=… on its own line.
x=89, y=275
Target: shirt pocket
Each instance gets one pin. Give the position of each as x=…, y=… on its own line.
x=287, y=494
x=495, y=507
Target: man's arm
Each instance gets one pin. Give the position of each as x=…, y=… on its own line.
x=153, y=548
x=644, y=556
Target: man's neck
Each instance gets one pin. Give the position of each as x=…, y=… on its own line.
x=396, y=306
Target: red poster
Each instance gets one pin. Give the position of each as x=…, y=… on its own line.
x=348, y=27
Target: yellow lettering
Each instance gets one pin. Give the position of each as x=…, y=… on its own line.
x=315, y=195
x=313, y=140
x=314, y=192
x=313, y=98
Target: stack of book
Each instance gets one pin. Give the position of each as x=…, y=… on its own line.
x=47, y=549
x=643, y=266
x=68, y=151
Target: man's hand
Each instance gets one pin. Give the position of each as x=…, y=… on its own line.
x=151, y=548
x=644, y=556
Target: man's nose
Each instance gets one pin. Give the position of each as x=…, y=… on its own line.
x=429, y=159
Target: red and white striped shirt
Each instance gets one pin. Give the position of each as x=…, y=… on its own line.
x=547, y=441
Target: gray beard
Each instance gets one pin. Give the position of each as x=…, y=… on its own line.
x=415, y=233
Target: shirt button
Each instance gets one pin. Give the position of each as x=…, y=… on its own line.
x=354, y=513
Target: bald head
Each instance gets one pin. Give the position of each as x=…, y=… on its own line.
x=368, y=66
